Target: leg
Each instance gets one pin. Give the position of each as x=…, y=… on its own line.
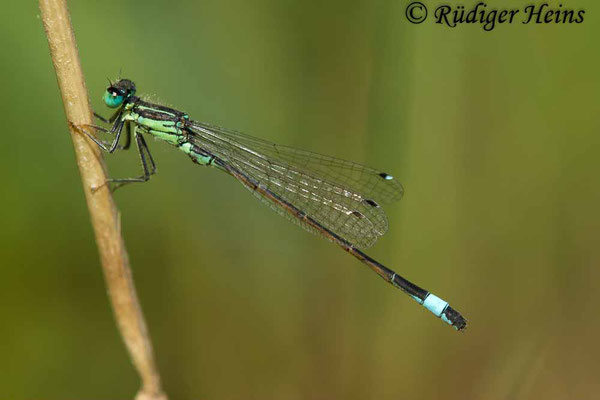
x=110, y=120
x=145, y=157
x=145, y=147
x=127, y=138
x=117, y=129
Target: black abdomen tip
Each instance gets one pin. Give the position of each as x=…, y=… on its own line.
x=454, y=318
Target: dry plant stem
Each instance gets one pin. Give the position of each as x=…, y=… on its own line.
x=103, y=212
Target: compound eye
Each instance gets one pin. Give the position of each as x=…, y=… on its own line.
x=113, y=98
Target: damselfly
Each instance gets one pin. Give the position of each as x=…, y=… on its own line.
x=334, y=198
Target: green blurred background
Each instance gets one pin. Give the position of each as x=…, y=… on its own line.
x=495, y=136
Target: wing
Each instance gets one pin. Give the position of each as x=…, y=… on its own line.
x=343, y=196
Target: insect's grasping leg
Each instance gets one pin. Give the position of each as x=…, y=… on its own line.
x=127, y=138
x=117, y=129
x=145, y=146
x=145, y=158
x=109, y=120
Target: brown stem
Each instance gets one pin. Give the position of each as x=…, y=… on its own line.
x=103, y=212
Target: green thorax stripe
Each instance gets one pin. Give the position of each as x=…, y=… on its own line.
x=156, y=119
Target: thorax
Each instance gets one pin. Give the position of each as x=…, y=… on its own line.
x=162, y=122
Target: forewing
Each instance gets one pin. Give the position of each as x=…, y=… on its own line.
x=343, y=196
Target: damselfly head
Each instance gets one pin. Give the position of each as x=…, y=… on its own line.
x=116, y=93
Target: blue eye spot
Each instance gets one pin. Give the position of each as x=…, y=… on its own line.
x=112, y=100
